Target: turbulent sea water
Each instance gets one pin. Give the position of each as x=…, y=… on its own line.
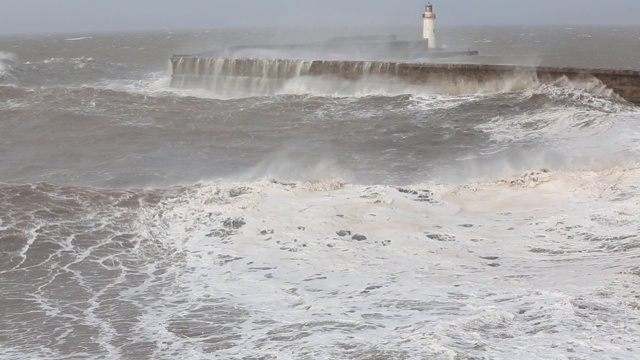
x=322, y=220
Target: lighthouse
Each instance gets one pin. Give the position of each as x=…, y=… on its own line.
x=429, y=29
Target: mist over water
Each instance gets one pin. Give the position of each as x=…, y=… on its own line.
x=315, y=217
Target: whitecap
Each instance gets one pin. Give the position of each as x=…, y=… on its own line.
x=80, y=38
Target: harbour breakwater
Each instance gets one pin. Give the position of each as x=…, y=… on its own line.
x=212, y=73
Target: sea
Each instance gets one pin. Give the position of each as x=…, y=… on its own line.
x=320, y=219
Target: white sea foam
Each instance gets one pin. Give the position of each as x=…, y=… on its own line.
x=155, y=83
x=76, y=60
x=4, y=57
x=374, y=85
x=580, y=135
x=80, y=38
x=14, y=104
x=566, y=123
x=458, y=270
x=513, y=268
x=585, y=92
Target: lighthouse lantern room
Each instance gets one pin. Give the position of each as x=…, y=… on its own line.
x=429, y=29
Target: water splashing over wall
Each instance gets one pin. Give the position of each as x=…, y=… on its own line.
x=254, y=77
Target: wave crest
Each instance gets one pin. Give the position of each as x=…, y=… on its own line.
x=7, y=60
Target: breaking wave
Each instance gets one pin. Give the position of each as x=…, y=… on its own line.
x=276, y=263
x=7, y=62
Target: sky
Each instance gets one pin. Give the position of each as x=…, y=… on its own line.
x=45, y=16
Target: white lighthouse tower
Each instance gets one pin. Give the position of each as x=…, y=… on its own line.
x=429, y=30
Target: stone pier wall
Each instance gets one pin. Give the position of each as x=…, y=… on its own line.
x=625, y=83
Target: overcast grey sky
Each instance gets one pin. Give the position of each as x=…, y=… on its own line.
x=36, y=16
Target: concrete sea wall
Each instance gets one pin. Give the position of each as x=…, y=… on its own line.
x=197, y=72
